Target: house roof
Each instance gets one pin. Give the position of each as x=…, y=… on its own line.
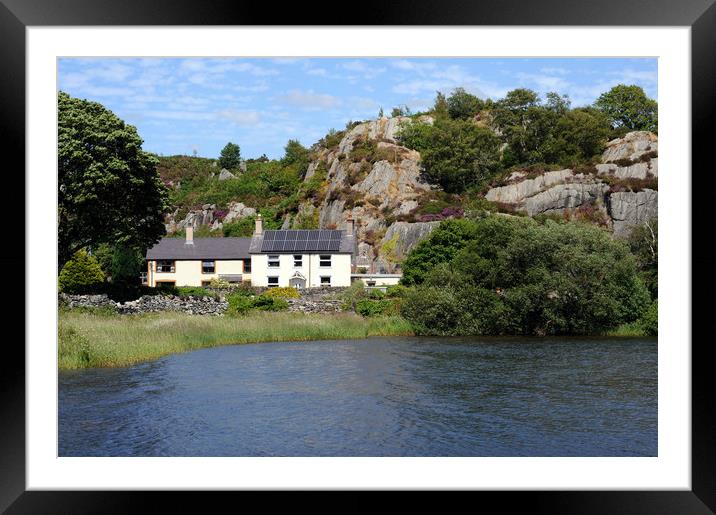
x=203, y=248
x=302, y=240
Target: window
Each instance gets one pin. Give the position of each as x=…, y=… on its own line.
x=165, y=266
x=272, y=281
x=370, y=283
x=325, y=280
x=324, y=260
x=208, y=267
x=273, y=261
x=297, y=261
x=247, y=266
x=206, y=283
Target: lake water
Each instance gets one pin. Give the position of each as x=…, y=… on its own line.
x=373, y=397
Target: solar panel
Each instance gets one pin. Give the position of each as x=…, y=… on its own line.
x=296, y=240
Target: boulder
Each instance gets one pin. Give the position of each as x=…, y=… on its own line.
x=226, y=175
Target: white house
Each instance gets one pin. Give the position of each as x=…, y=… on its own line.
x=297, y=258
x=301, y=258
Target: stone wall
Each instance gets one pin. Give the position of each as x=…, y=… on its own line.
x=318, y=300
x=150, y=304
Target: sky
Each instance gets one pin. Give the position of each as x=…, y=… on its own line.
x=196, y=105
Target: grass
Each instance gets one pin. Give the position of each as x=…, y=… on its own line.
x=632, y=329
x=97, y=339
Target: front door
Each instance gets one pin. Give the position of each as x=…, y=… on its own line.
x=297, y=282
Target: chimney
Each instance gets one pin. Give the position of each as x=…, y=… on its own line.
x=189, y=235
x=349, y=226
x=259, y=225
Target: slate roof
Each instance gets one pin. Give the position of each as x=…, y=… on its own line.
x=203, y=248
x=302, y=241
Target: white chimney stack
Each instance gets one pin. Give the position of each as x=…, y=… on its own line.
x=349, y=226
x=189, y=235
x=259, y=225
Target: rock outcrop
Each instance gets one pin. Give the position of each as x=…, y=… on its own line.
x=628, y=208
x=621, y=188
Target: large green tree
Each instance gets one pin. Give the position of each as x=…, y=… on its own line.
x=230, y=156
x=462, y=105
x=109, y=189
x=628, y=107
x=456, y=154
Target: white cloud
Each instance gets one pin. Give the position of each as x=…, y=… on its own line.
x=309, y=100
x=241, y=117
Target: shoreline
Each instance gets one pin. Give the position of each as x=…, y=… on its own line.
x=101, y=340
x=91, y=340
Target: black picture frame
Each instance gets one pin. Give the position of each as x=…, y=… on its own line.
x=16, y=15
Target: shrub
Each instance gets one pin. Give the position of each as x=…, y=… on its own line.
x=268, y=303
x=239, y=304
x=649, y=322
x=81, y=274
x=194, y=291
x=285, y=292
x=397, y=291
x=376, y=307
x=220, y=284
x=352, y=295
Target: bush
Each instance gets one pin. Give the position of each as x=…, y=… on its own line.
x=397, y=291
x=240, y=303
x=353, y=294
x=649, y=322
x=268, y=303
x=81, y=274
x=194, y=291
x=372, y=307
x=285, y=292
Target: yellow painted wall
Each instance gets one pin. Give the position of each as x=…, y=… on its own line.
x=188, y=273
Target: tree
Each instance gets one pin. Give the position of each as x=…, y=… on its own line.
x=109, y=189
x=516, y=276
x=557, y=103
x=579, y=135
x=230, y=157
x=461, y=155
x=628, y=107
x=295, y=154
x=440, y=107
x=401, y=110
x=440, y=247
x=463, y=105
x=81, y=274
x=127, y=263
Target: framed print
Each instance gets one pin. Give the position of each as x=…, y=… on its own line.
x=444, y=220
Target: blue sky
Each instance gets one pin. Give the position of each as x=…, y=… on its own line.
x=187, y=105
